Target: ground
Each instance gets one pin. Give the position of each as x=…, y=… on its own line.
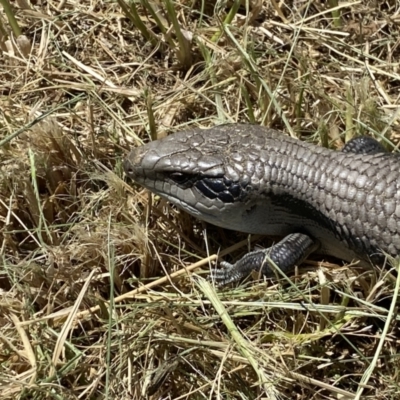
x=102, y=289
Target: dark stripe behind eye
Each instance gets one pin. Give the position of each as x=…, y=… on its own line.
x=200, y=185
x=216, y=185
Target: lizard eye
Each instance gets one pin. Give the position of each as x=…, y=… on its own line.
x=179, y=177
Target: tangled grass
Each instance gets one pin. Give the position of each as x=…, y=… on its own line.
x=101, y=288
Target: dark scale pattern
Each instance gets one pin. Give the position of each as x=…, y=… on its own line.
x=363, y=145
x=358, y=205
x=221, y=188
x=258, y=180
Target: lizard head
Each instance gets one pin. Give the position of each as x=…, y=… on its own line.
x=194, y=170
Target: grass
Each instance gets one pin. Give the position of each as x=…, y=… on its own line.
x=102, y=290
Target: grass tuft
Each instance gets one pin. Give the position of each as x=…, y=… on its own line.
x=101, y=283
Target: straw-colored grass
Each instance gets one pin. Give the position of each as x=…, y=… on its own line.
x=102, y=289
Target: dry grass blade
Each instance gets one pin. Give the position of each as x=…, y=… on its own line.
x=369, y=371
x=244, y=347
x=87, y=81
x=261, y=82
x=68, y=325
x=29, y=354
